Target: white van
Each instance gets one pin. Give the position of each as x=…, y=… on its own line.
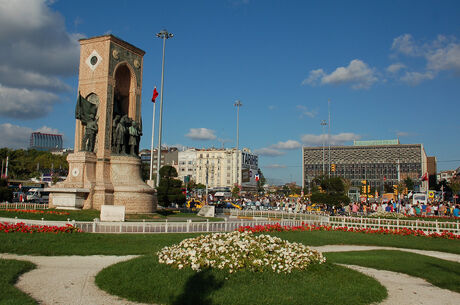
x=37, y=195
x=421, y=198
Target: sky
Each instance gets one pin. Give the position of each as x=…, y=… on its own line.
x=390, y=69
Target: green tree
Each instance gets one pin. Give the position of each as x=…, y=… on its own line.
x=334, y=190
x=455, y=187
x=6, y=194
x=261, y=182
x=236, y=191
x=409, y=183
x=169, y=189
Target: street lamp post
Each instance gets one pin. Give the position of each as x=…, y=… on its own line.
x=237, y=104
x=163, y=35
x=323, y=123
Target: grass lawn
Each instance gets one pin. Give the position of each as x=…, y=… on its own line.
x=145, y=280
x=89, y=215
x=10, y=270
x=124, y=244
x=441, y=273
x=83, y=215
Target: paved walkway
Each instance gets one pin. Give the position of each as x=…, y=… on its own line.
x=70, y=279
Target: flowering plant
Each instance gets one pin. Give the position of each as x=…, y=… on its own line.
x=239, y=251
x=23, y=228
x=305, y=227
x=384, y=214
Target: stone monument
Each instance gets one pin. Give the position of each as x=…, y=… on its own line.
x=105, y=168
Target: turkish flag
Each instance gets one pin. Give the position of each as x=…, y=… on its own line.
x=155, y=94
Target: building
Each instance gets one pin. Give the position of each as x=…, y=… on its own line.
x=169, y=156
x=377, y=162
x=45, y=141
x=446, y=175
x=432, y=171
x=224, y=168
x=187, y=164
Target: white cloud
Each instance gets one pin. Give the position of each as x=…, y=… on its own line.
x=22, y=78
x=358, y=74
x=25, y=103
x=36, y=50
x=415, y=78
x=46, y=129
x=271, y=107
x=395, y=68
x=275, y=165
x=289, y=144
x=405, y=44
x=269, y=152
x=402, y=134
x=445, y=58
x=201, y=134
x=16, y=137
x=305, y=112
x=313, y=77
x=337, y=139
x=441, y=54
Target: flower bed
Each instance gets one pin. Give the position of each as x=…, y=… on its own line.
x=239, y=251
x=36, y=212
x=23, y=228
x=305, y=227
x=388, y=215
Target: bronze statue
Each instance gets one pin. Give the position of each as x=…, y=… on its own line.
x=114, y=132
x=121, y=132
x=134, y=137
x=90, y=133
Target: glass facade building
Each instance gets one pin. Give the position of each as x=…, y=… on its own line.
x=45, y=141
x=377, y=162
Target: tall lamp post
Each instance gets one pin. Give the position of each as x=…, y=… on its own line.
x=163, y=35
x=323, y=123
x=237, y=104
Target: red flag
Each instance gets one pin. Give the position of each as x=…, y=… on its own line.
x=155, y=94
x=424, y=177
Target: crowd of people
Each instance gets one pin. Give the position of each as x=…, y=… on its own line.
x=406, y=207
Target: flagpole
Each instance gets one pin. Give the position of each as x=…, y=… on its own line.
x=163, y=35
x=151, y=146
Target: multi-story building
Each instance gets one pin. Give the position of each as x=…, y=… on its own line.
x=187, y=164
x=446, y=175
x=169, y=156
x=377, y=162
x=45, y=141
x=227, y=167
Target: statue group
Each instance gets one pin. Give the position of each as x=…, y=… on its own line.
x=126, y=135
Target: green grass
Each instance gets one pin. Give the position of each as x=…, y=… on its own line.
x=89, y=215
x=145, y=280
x=124, y=244
x=10, y=270
x=441, y=273
x=320, y=238
x=81, y=215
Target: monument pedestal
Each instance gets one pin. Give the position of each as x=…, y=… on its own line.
x=76, y=191
x=128, y=187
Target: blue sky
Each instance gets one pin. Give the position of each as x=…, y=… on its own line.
x=389, y=68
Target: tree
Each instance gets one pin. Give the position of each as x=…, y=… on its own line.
x=333, y=190
x=455, y=187
x=236, y=191
x=170, y=189
x=400, y=188
x=409, y=183
x=261, y=182
x=6, y=194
